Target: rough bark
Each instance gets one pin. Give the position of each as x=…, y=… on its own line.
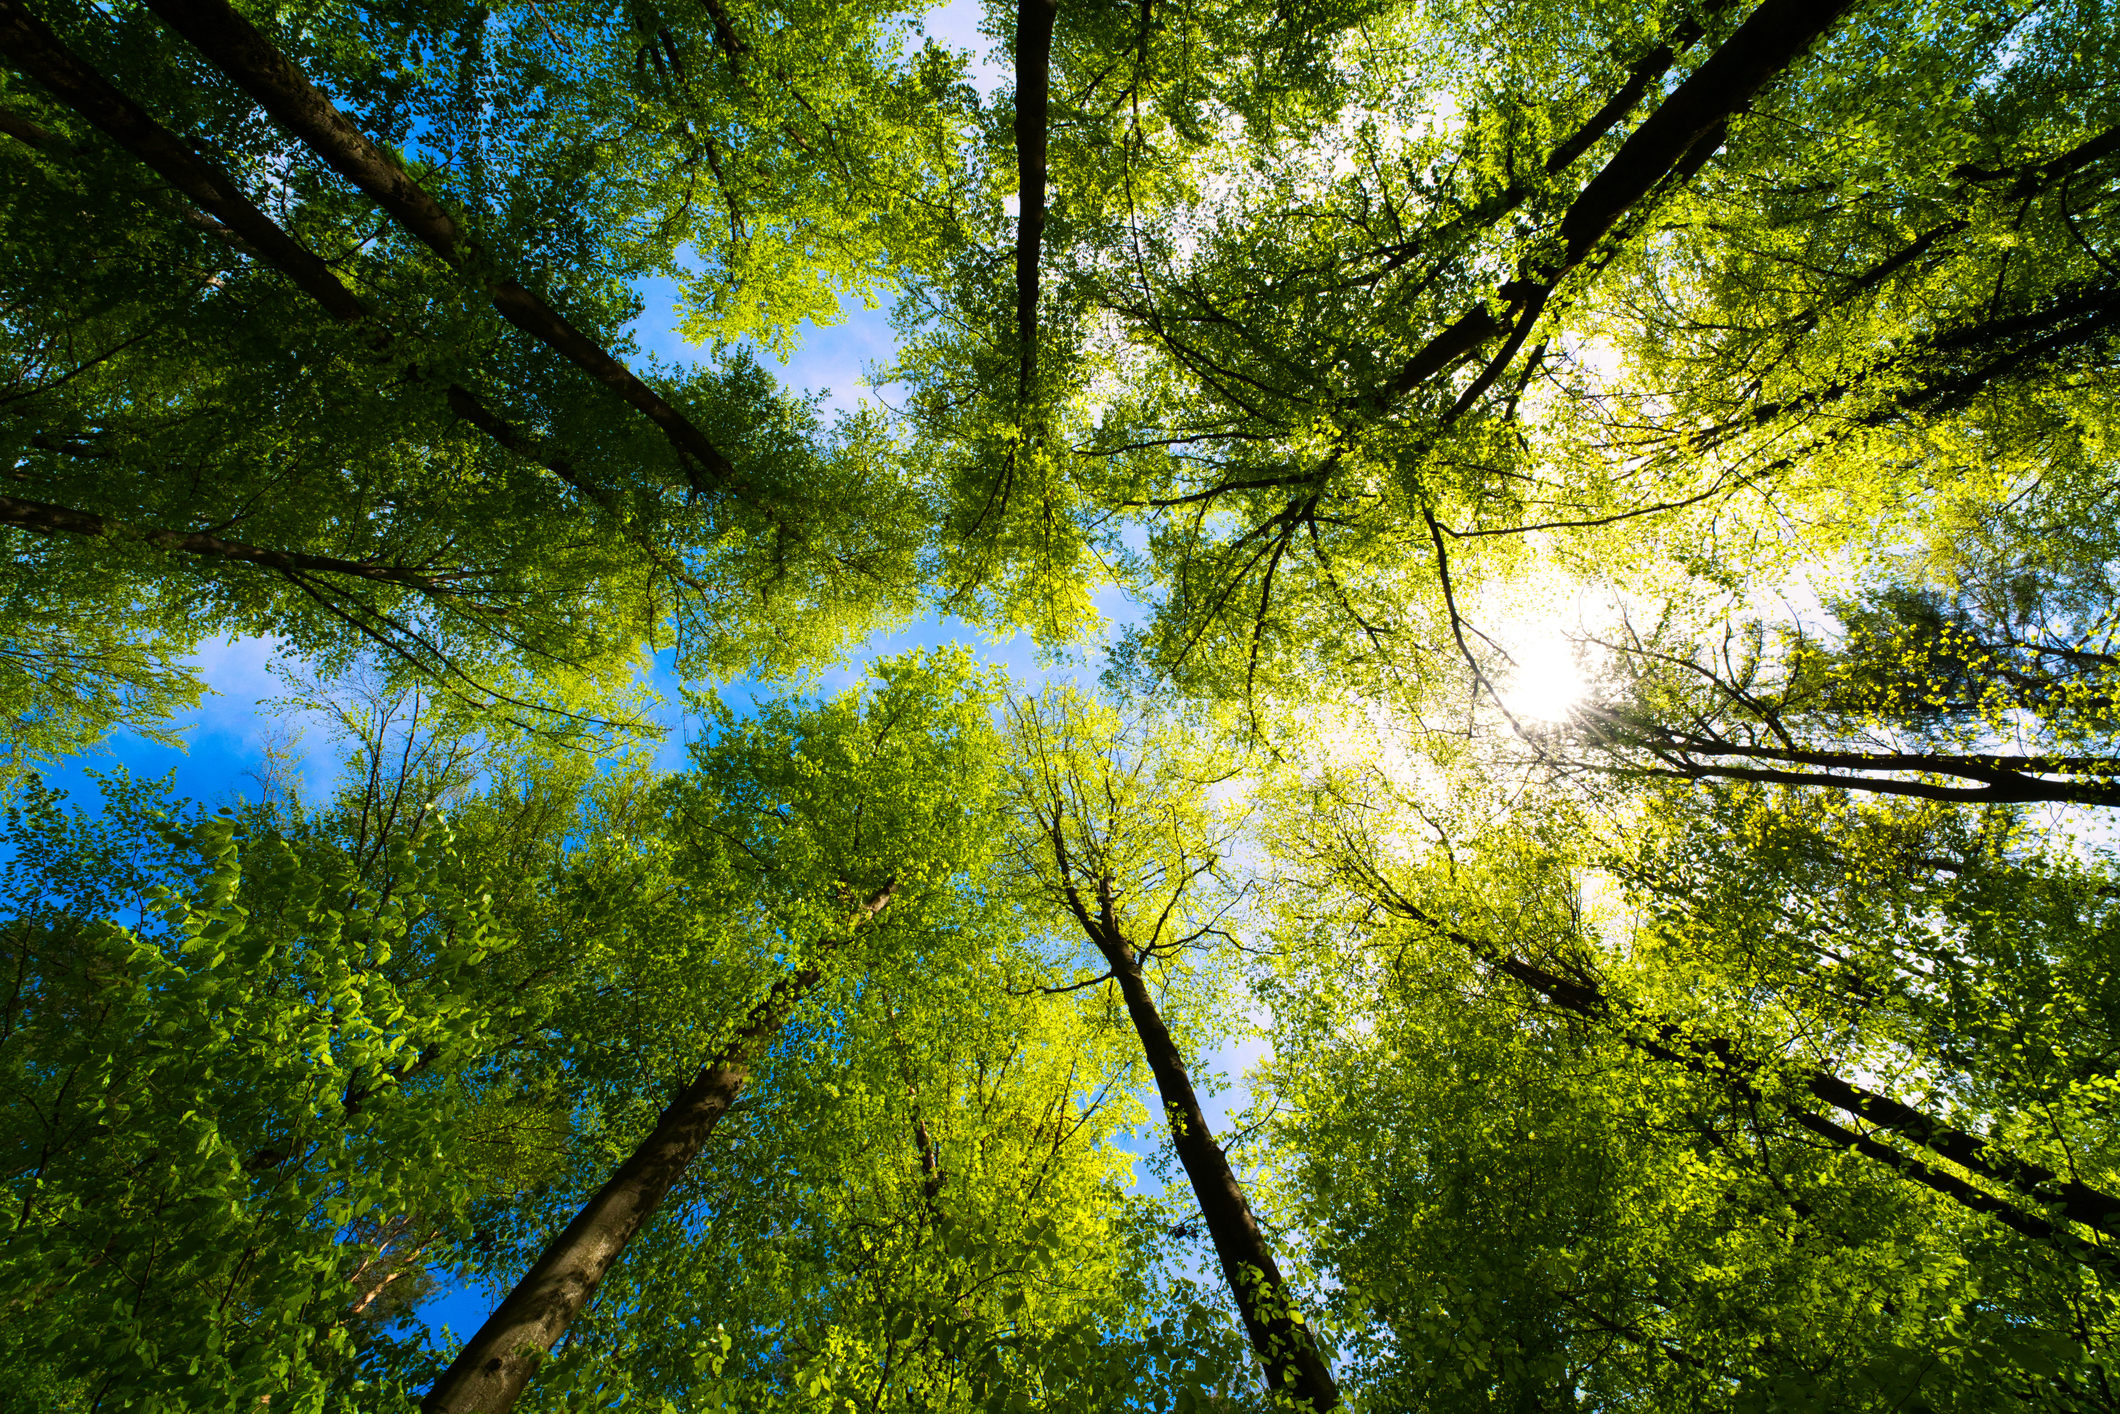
x=1278, y=1336
x=1678, y=136
x=1281, y=1341
x=931, y=1175
x=241, y=51
x=1034, y=58
x=1772, y=37
x=496, y=1364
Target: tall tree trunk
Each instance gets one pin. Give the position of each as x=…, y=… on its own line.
x=41, y=56
x=1276, y=1330
x=1678, y=135
x=1771, y=38
x=1034, y=61
x=1272, y=1323
x=496, y=1364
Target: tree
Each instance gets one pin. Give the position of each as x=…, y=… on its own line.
x=1516, y=1209
x=397, y=1068
x=1789, y=1034
x=1178, y=345
x=1116, y=837
x=1321, y=330
x=396, y=447
x=1587, y=284
x=803, y=835
x=1969, y=663
x=918, y=1207
x=233, y=1068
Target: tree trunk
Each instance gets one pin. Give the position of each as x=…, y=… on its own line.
x=1720, y=1058
x=1680, y=134
x=1772, y=37
x=2008, y=780
x=1279, y=1337
x=496, y=1364
x=44, y=518
x=1034, y=60
x=39, y=54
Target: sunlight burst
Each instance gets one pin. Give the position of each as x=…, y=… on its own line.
x=1547, y=683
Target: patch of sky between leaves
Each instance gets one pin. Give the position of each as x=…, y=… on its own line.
x=240, y=735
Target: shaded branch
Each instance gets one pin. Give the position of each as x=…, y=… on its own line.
x=241, y=51
x=43, y=518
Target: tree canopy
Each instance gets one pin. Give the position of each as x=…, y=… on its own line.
x=1741, y=1033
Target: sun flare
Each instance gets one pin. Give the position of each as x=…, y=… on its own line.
x=1547, y=683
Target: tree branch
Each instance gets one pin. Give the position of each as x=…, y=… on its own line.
x=240, y=50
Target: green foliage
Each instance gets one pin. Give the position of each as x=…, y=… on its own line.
x=1967, y=960
x=1354, y=323
x=228, y=1060
x=66, y=682
x=1521, y=1214
x=1120, y=819
x=523, y=574
x=1524, y=1199
x=921, y=1207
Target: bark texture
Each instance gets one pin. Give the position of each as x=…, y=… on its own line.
x=40, y=56
x=2057, y=1197
x=43, y=518
x=1278, y=1336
